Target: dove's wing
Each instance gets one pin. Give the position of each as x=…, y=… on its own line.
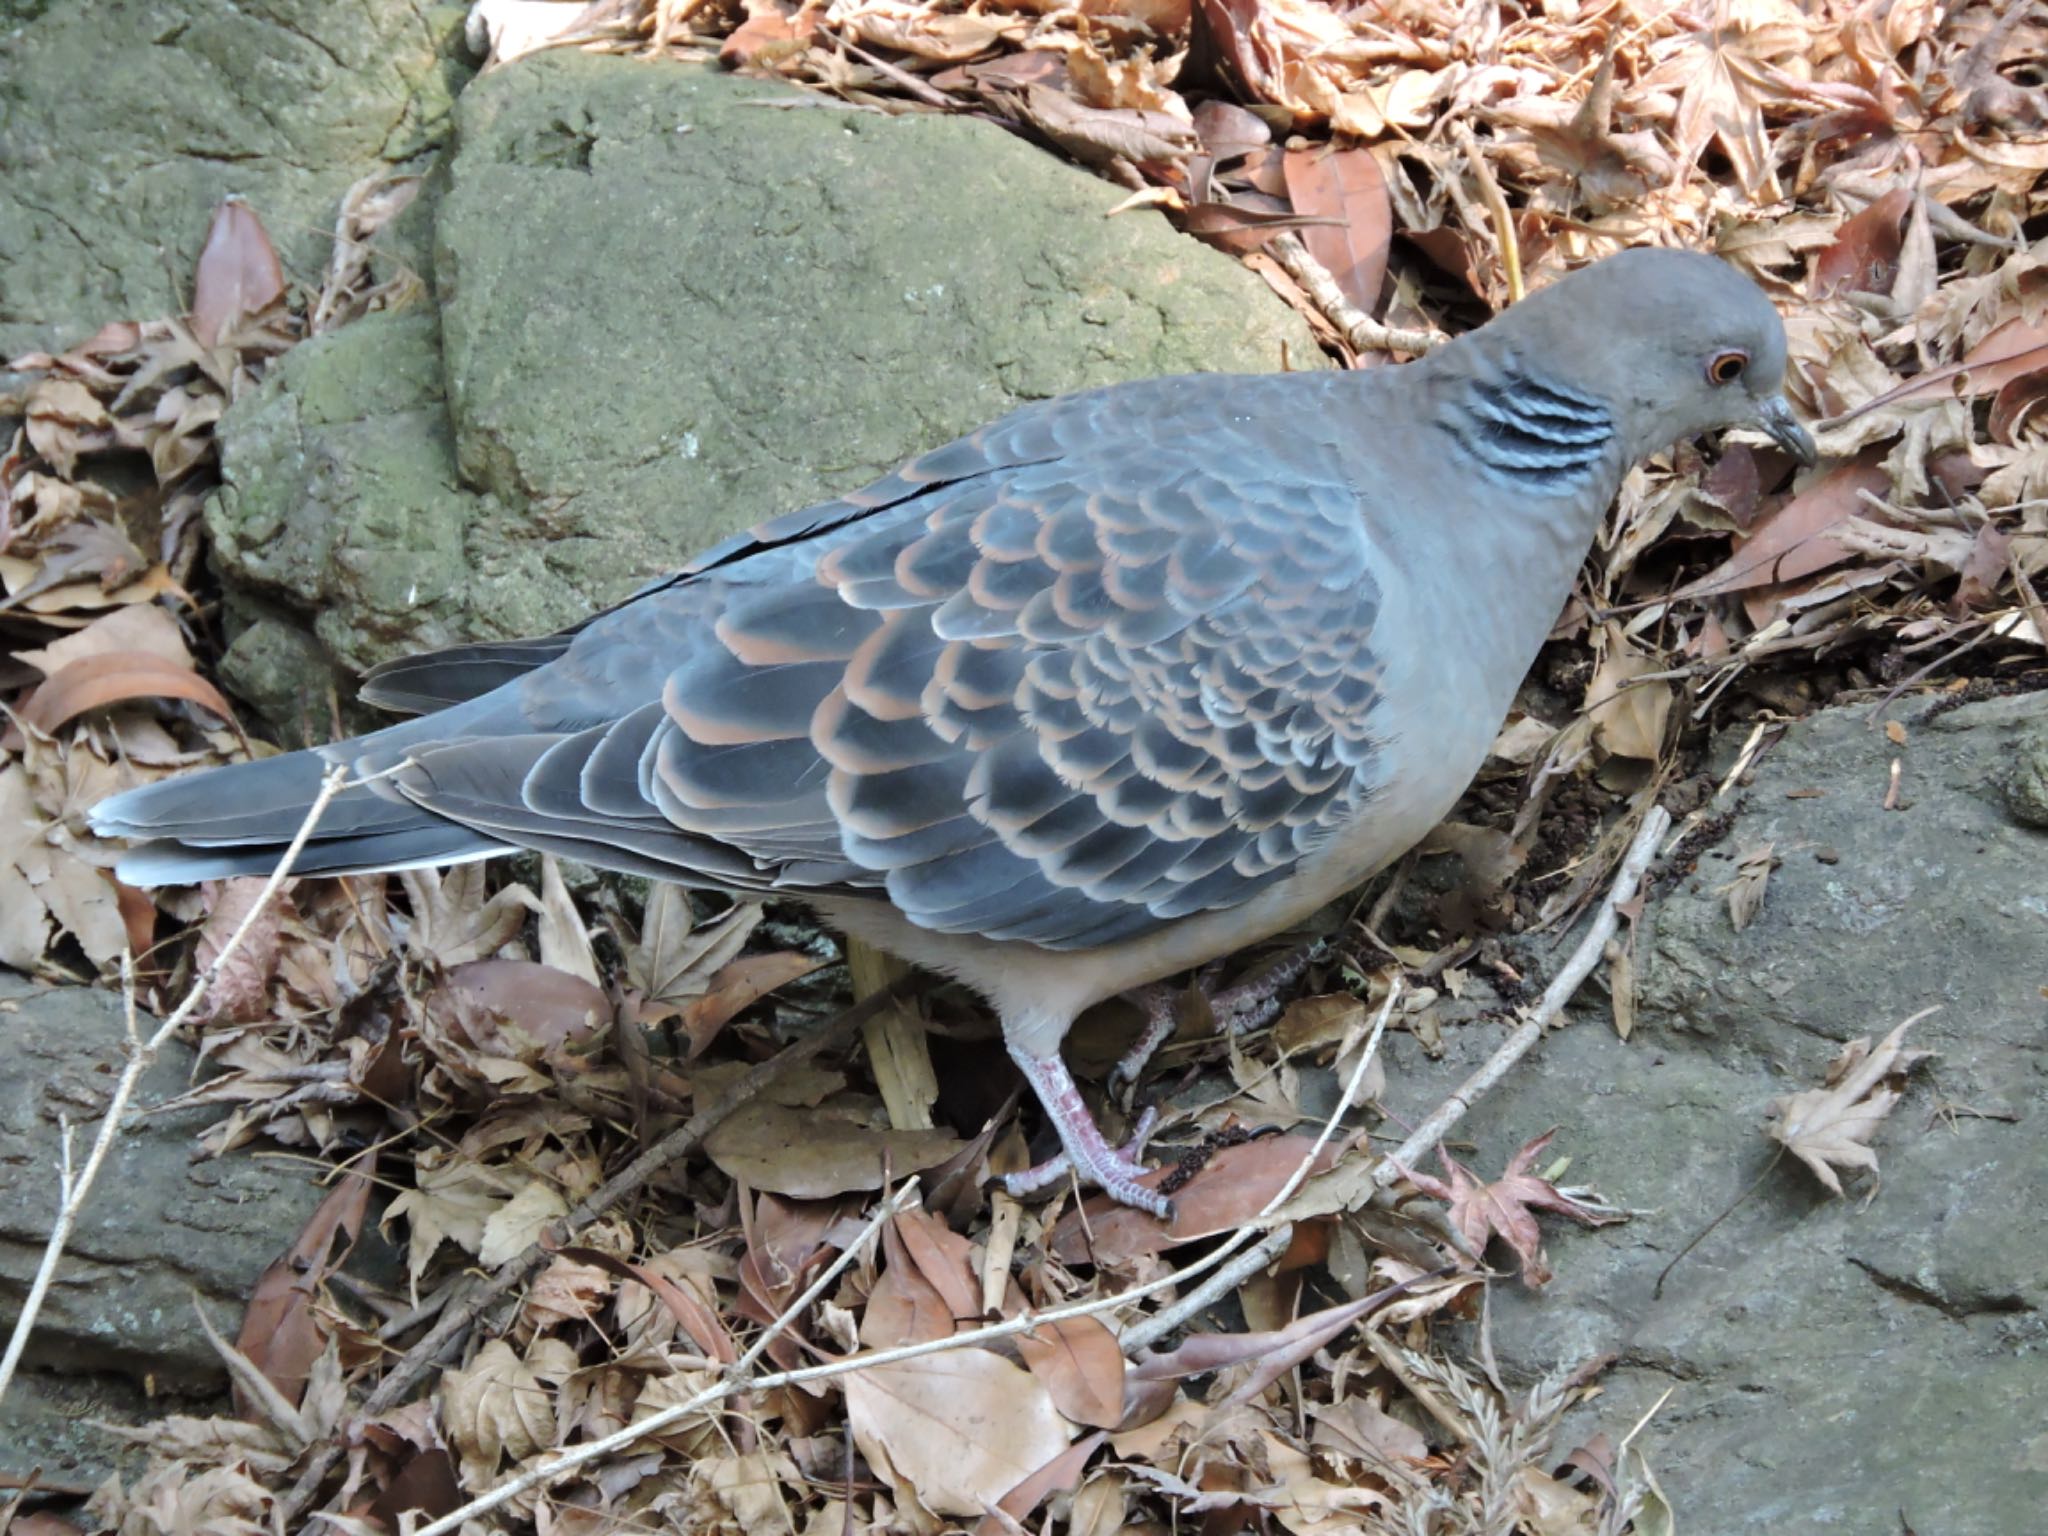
x=1057, y=682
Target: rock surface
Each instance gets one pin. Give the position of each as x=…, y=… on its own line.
x=161, y=1230
x=672, y=302
x=1832, y=1362
x=123, y=123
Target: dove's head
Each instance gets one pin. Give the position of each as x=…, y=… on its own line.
x=1674, y=342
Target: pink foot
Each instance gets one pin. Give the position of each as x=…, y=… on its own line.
x=1115, y=1171
x=1236, y=1009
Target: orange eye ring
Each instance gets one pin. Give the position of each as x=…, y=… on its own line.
x=1726, y=367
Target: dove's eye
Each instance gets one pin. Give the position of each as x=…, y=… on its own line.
x=1726, y=367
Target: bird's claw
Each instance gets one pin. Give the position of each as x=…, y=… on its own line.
x=1116, y=1171
x=1249, y=1005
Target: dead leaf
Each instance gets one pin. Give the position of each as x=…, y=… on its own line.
x=520, y=1009
x=918, y=1300
x=282, y=1335
x=1628, y=715
x=736, y=987
x=93, y=682
x=1059, y=1475
x=516, y=1225
x=91, y=550
x=959, y=1430
x=808, y=1157
x=502, y=1407
x=238, y=276
x=564, y=944
x=1507, y=1206
x=1795, y=540
x=1344, y=184
x=241, y=991
x=452, y=1197
x=1829, y=1128
x=1864, y=255
x=672, y=958
x=1081, y=1365
x=1746, y=890
x=1230, y=1188
x=454, y=922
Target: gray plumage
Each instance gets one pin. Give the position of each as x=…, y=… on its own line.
x=1116, y=683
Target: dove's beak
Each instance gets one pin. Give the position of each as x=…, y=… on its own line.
x=1774, y=415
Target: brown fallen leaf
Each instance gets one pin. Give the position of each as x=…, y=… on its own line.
x=1628, y=710
x=807, y=1156
x=1507, y=1206
x=926, y=1289
x=1344, y=185
x=1746, y=891
x=693, y=1315
x=1057, y=1476
x=1228, y=1191
x=93, y=682
x=1081, y=1365
x=90, y=550
x=502, y=1407
x=238, y=276
x=282, y=1335
x=1829, y=1128
x=520, y=1009
x=1864, y=256
x=1271, y=1353
x=241, y=990
x=1796, y=539
x=958, y=1430
x=737, y=986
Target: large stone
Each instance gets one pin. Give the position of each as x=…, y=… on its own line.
x=673, y=302
x=162, y=1233
x=123, y=123
x=1832, y=1362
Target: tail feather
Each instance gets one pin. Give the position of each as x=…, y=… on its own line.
x=425, y=847
x=438, y=679
x=259, y=802
x=239, y=819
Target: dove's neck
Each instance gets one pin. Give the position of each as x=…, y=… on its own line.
x=1519, y=426
x=1523, y=465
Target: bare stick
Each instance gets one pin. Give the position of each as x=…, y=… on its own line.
x=1212, y=1290
x=1360, y=329
x=73, y=1189
x=1547, y=1010
x=460, y=1316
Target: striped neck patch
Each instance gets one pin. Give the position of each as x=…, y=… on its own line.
x=1530, y=433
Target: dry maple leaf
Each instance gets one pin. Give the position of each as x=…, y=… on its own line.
x=1746, y=891
x=502, y=1406
x=1829, y=1128
x=1507, y=1206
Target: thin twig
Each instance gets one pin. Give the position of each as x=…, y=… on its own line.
x=1360, y=329
x=1210, y=1291
x=460, y=1316
x=74, y=1189
x=890, y=1207
x=1559, y=993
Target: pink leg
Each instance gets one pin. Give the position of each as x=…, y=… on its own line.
x=1245, y=1006
x=1114, y=1170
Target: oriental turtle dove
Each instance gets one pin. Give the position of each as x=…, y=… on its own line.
x=1117, y=684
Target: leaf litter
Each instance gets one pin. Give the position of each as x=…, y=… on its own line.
x=507, y=1044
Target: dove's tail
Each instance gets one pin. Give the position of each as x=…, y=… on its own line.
x=238, y=820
